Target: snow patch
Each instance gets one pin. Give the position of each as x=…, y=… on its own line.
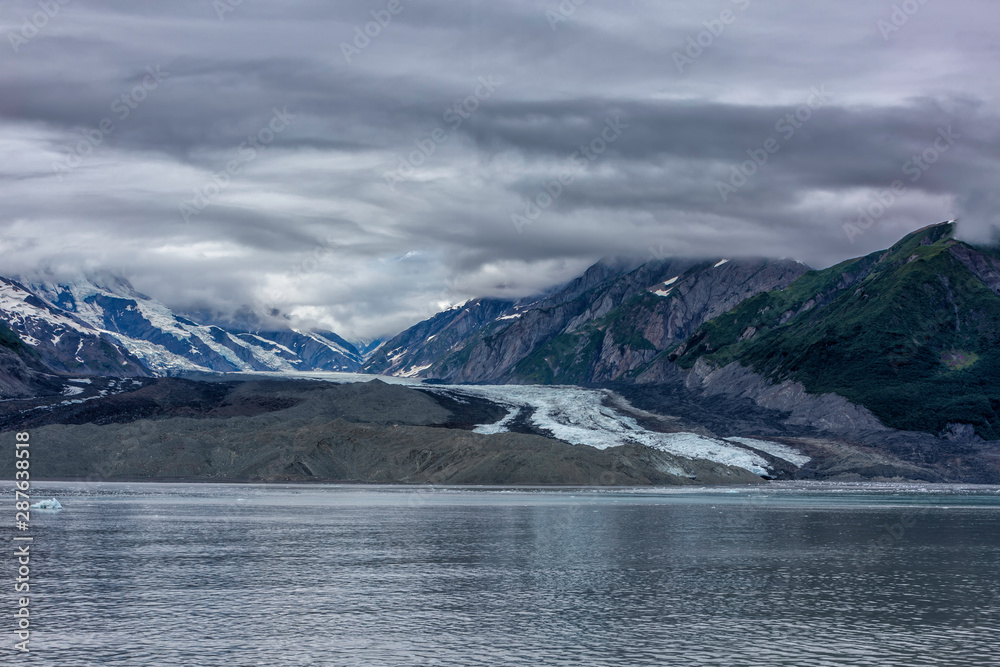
x=413, y=371
x=499, y=426
x=329, y=343
x=20, y=314
x=776, y=449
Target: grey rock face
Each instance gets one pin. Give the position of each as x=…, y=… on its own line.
x=426, y=342
x=659, y=303
x=19, y=380
x=825, y=412
x=984, y=267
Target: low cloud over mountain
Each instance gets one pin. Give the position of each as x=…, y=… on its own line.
x=357, y=165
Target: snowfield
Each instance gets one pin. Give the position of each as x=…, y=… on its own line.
x=242, y=351
x=21, y=310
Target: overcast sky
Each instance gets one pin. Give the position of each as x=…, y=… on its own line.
x=114, y=116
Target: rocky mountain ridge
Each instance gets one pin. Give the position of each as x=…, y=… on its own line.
x=906, y=338
x=104, y=327
x=912, y=333
x=609, y=321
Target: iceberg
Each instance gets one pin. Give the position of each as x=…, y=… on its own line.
x=47, y=505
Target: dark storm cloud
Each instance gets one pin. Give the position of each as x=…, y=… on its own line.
x=393, y=190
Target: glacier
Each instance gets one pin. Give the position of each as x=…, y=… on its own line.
x=593, y=417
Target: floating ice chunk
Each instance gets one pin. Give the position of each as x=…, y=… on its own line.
x=47, y=505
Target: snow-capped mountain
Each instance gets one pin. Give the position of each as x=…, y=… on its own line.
x=61, y=341
x=416, y=349
x=109, y=309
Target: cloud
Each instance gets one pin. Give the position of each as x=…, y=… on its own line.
x=310, y=223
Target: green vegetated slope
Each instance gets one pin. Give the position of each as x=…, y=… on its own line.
x=556, y=356
x=910, y=333
x=10, y=340
x=569, y=358
x=665, y=305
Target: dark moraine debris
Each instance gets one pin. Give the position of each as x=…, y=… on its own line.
x=315, y=431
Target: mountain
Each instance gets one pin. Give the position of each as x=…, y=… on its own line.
x=168, y=343
x=911, y=333
x=21, y=372
x=902, y=340
x=601, y=326
x=366, y=346
x=42, y=340
x=103, y=326
x=628, y=320
x=416, y=349
x=318, y=350
x=308, y=350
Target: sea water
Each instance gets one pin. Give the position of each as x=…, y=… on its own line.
x=787, y=574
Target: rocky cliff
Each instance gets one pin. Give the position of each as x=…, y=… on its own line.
x=613, y=319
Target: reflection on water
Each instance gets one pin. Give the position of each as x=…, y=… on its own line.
x=143, y=574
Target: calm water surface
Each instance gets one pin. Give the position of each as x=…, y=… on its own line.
x=158, y=574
